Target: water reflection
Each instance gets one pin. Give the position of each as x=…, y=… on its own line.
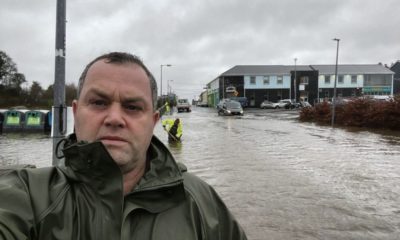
x=281, y=178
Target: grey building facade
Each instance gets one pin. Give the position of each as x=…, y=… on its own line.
x=312, y=83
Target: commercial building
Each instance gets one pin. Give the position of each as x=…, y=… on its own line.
x=312, y=83
x=396, y=79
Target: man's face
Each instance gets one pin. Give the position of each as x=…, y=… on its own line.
x=115, y=107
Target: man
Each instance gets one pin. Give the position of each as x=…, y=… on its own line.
x=167, y=110
x=119, y=182
x=173, y=128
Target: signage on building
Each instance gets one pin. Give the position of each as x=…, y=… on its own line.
x=376, y=89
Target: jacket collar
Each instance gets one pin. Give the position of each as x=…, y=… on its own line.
x=91, y=162
x=160, y=188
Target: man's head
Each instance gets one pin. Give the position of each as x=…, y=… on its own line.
x=115, y=105
x=121, y=58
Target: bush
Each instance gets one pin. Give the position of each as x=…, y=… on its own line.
x=358, y=113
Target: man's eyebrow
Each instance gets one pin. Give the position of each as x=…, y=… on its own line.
x=98, y=92
x=133, y=100
x=104, y=95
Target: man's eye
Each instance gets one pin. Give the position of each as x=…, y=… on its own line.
x=133, y=107
x=98, y=103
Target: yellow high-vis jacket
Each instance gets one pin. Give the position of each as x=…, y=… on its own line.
x=168, y=123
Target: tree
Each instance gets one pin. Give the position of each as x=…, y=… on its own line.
x=16, y=80
x=70, y=93
x=7, y=69
x=10, y=78
x=35, y=93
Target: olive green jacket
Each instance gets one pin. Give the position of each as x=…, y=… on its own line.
x=84, y=200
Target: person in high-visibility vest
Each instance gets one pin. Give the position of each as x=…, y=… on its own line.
x=167, y=109
x=174, y=129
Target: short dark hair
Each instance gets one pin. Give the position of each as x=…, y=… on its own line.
x=121, y=58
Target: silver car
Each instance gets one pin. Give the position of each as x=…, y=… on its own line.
x=268, y=104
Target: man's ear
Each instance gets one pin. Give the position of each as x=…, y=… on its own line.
x=156, y=117
x=74, y=106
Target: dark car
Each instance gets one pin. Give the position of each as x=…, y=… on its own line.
x=243, y=101
x=229, y=107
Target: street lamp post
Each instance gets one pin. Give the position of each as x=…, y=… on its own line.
x=334, y=84
x=59, y=109
x=161, y=66
x=295, y=79
x=169, y=89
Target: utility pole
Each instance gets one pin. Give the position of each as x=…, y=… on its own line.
x=334, y=84
x=59, y=109
x=161, y=67
x=295, y=79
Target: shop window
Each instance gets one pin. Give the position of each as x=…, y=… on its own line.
x=353, y=79
x=266, y=80
x=327, y=79
x=340, y=79
x=304, y=80
x=252, y=80
x=279, y=80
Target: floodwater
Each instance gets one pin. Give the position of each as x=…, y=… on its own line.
x=282, y=179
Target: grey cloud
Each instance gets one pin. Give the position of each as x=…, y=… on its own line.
x=200, y=38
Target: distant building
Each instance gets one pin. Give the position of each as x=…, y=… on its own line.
x=312, y=83
x=396, y=79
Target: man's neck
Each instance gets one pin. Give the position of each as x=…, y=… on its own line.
x=131, y=178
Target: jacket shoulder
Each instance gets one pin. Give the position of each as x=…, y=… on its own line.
x=40, y=186
x=217, y=220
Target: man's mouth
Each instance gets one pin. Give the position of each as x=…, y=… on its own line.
x=111, y=140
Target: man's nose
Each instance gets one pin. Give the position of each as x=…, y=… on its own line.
x=115, y=117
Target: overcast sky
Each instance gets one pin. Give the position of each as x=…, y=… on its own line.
x=200, y=38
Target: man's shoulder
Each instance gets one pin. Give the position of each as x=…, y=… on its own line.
x=30, y=177
x=196, y=187
x=23, y=170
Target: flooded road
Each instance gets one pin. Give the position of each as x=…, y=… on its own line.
x=282, y=179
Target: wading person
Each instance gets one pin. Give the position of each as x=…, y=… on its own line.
x=167, y=110
x=173, y=128
x=119, y=181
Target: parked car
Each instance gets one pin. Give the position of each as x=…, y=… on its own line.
x=304, y=104
x=183, y=105
x=285, y=103
x=267, y=104
x=288, y=104
x=229, y=107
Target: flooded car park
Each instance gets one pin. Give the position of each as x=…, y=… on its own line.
x=282, y=179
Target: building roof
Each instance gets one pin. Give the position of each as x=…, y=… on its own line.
x=323, y=69
x=353, y=69
x=263, y=70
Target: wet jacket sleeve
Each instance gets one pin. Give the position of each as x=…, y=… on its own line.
x=16, y=215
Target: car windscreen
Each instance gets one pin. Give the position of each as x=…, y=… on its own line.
x=233, y=105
